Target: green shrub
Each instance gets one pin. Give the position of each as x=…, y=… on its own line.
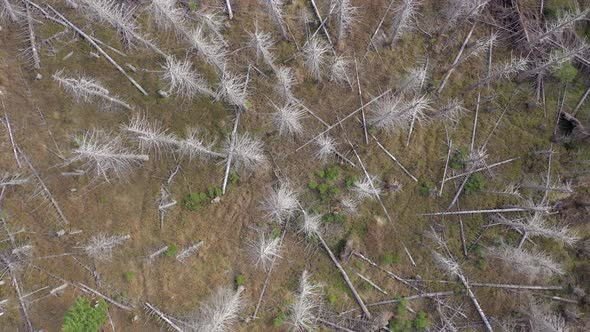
x=172, y=250
x=213, y=192
x=457, y=161
x=192, y=201
x=234, y=177
x=476, y=182
x=84, y=316
x=566, y=73
x=240, y=280
x=312, y=184
x=349, y=181
x=421, y=322
x=426, y=188
x=128, y=276
x=332, y=299
x=279, y=320
x=389, y=259
x=334, y=217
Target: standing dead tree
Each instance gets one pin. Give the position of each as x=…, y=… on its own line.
x=101, y=246
x=340, y=70
x=394, y=112
x=346, y=16
x=262, y=43
x=183, y=80
x=188, y=251
x=121, y=17
x=103, y=154
x=164, y=202
x=533, y=264
x=32, y=50
x=404, y=19
x=167, y=15
x=449, y=265
x=303, y=312
x=265, y=250
x=232, y=89
x=9, y=11
x=563, y=21
x=315, y=53
x=285, y=83
x=275, y=9
x=86, y=89
x=211, y=48
x=327, y=148
x=219, y=312
x=43, y=190
x=287, y=119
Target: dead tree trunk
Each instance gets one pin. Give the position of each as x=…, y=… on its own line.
x=356, y=295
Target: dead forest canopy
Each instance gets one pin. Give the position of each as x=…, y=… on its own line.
x=273, y=165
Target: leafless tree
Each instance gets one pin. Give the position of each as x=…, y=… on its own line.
x=404, y=19
x=394, y=112
x=536, y=224
x=164, y=203
x=462, y=9
x=103, y=154
x=542, y=319
x=565, y=20
x=86, y=89
x=248, y=152
x=213, y=21
x=10, y=11
x=303, y=312
x=194, y=146
x=346, y=16
x=150, y=136
x=219, y=312
x=315, y=53
x=288, y=119
x=340, y=70
x=262, y=42
x=101, y=246
x=210, y=48
x=167, y=15
x=232, y=89
x=452, y=112
x=275, y=9
x=264, y=250
x=367, y=188
x=182, y=80
x=281, y=203
x=533, y=264
x=285, y=83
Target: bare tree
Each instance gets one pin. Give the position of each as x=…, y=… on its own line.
x=533, y=264
x=167, y=15
x=285, y=83
x=404, y=19
x=164, y=202
x=103, y=154
x=346, y=16
x=564, y=21
x=288, y=119
x=455, y=10
x=265, y=250
x=393, y=112
x=188, y=251
x=536, y=224
x=182, y=80
x=303, y=312
x=275, y=9
x=452, y=112
x=9, y=11
x=340, y=70
x=213, y=21
x=262, y=42
x=219, y=312
x=367, y=188
x=315, y=53
x=232, y=89
x=211, y=48
x=86, y=89
x=248, y=153
x=281, y=203
x=150, y=136
x=542, y=319
x=101, y=246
